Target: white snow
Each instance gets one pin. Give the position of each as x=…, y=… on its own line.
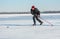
x=23, y=29
x=30, y=32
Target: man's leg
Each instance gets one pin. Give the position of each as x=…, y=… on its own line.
x=34, y=20
x=39, y=20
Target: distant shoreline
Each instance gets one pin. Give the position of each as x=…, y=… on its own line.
x=27, y=12
x=51, y=11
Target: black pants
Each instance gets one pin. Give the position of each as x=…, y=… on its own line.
x=36, y=18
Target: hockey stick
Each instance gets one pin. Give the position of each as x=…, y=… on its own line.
x=46, y=21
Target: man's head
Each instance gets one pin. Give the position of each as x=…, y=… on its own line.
x=33, y=7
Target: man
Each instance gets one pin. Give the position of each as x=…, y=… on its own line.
x=36, y=14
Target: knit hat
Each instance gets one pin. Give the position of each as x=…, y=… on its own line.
x=33, y=6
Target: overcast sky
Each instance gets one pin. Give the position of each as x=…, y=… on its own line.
x=25, y=5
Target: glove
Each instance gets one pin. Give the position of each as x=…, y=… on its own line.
x=39, y=16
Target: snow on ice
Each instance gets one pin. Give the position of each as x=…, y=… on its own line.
x=19, y=26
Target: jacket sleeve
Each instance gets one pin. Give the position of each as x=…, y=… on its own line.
x=31, y=11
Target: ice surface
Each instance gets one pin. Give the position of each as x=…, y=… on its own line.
x=19, y=26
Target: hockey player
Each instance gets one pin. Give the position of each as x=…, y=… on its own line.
x=36, y=15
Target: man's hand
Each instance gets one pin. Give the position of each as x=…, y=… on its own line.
x=37, y=15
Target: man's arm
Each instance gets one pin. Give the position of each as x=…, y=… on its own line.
x=31, y=11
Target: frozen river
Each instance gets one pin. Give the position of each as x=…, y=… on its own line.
x=20, y=27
